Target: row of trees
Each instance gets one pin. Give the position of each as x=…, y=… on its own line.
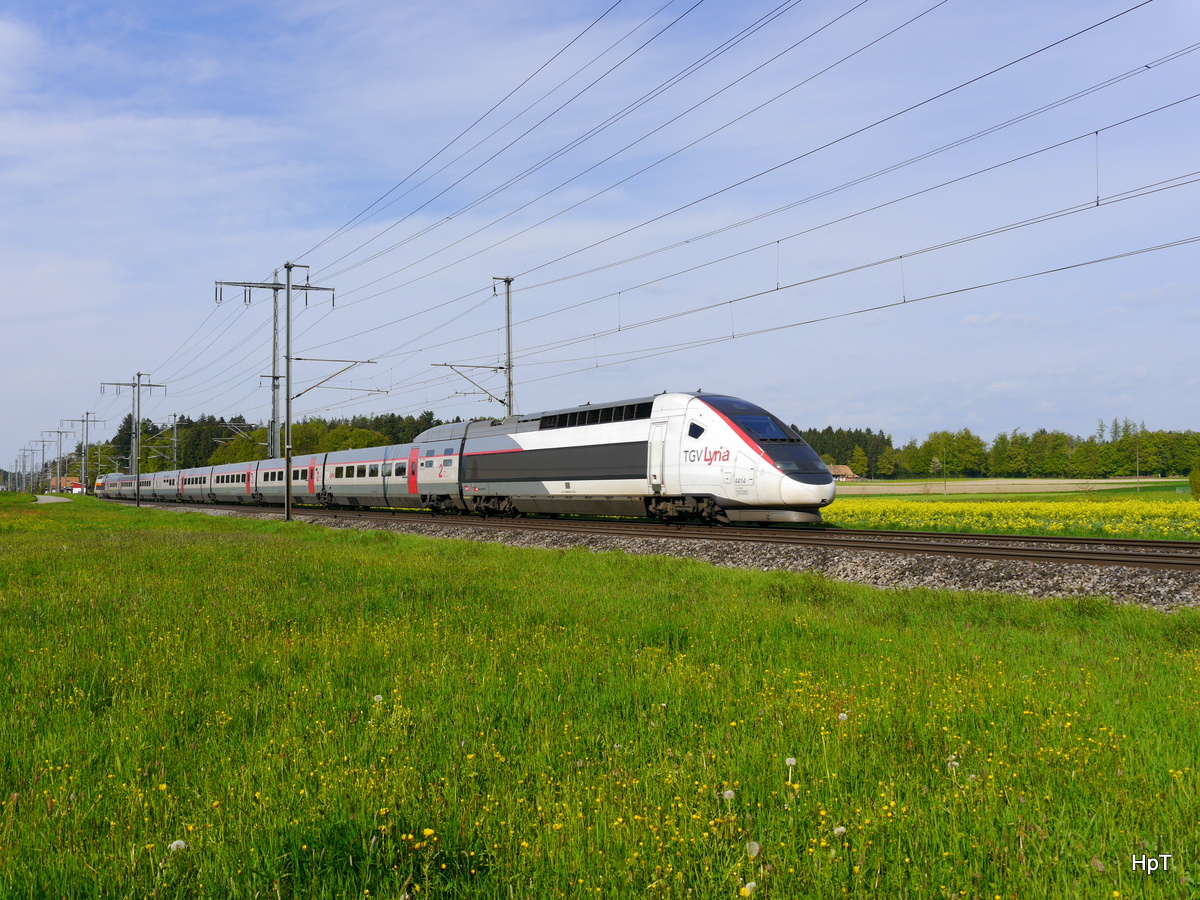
x=1125, y=449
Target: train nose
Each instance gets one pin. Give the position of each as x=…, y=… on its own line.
x=802, y=493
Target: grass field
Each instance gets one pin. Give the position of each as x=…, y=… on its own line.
x=210, y=707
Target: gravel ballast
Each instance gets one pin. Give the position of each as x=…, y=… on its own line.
x=1160, y=589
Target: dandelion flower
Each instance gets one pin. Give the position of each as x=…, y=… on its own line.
x=728, y=795
x=753, y=849
x=748, y=889
x=176, y=846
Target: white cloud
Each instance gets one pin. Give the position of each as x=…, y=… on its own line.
x=20, y=48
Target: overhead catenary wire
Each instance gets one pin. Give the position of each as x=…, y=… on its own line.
x=199, y=372
x=513, y=141
x=462, y=133
x=844, y=137
x=808, y=230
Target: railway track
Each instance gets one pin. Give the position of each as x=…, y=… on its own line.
x=1176, y=555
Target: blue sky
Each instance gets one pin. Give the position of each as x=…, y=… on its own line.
x=846, y=156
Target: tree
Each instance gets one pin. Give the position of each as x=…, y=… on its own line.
x=970, y=452
x=997, y=459
x=1017, y=465
x=1194, y=479
x=343, y=437
x=885, y=466
x=858, y=461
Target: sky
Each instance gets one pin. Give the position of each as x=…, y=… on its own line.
x=908, y=215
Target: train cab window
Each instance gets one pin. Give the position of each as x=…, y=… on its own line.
x=373, y=472
x=695, y=430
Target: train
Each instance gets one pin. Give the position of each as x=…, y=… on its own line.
x=674, y=456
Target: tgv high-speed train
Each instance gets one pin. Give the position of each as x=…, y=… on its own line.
x=671, y=456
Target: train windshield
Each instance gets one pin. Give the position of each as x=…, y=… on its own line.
x=787, y=449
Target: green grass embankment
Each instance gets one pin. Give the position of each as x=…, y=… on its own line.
x=321, y=714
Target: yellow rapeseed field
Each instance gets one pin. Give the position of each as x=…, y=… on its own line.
x=1153, y=519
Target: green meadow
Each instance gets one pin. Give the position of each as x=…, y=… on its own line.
x=214, y=707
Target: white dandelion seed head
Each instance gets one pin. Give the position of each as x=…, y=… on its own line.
x=176, y=846
x=753, y=848
x=839, y=831
x=749, y=888
x=791, y=762
x=379, y=698
x=842, y=717
x=728, y=795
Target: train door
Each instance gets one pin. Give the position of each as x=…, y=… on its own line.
x=414, y=456
x=657, y=451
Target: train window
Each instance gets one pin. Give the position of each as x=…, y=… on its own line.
x=337, y=473
x=449, y=451
x=362, y=472
x=429, y=453
x=401, y=468
x=374, y=471
x=695, y=430
x=765, y=428
x=448, y=463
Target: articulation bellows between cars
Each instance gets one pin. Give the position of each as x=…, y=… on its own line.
x=672, y=456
